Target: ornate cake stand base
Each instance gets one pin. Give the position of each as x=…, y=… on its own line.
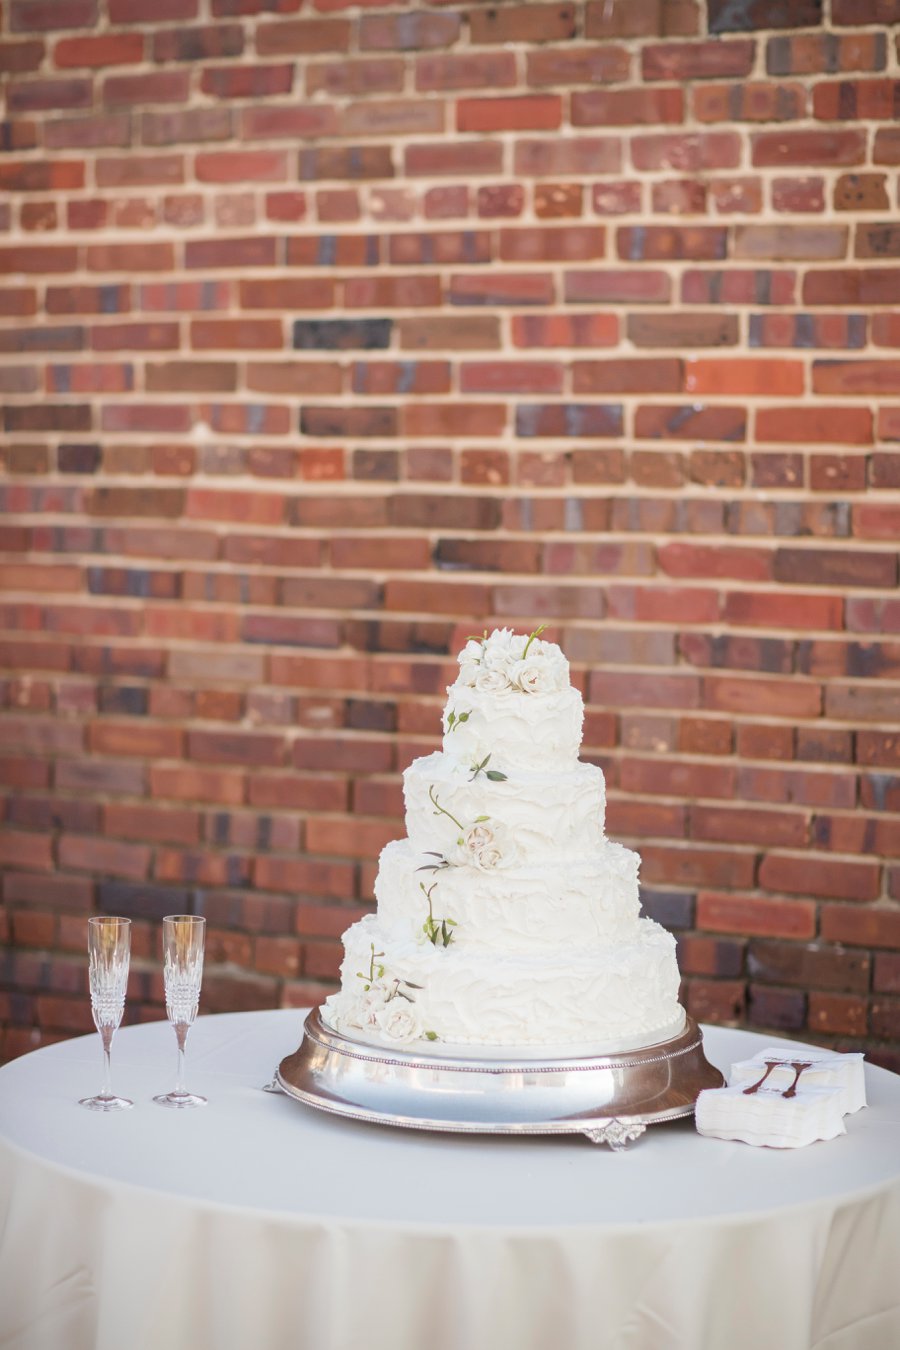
x=610, y=1098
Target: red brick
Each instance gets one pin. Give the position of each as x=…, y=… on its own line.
x=689, y=152
x=813, y=330
x=813, y=53
x=236, y=334
x=697, y=60
x=47, y=95
x=135, y=11
x=688, y=865
x=855, y=12
x=750, y=101
x=616, y=199
x=617, y=286
x=454, y=159
x=17, y=58
x=22, y=849
x=643, y=18
x=790, y=242
x=679, y=197
x=886, y=146
x=575, y=155
x=504, y=199
x=627, y=107
x=761, y=697
x=783, y=610
x=852, y=286
x=565, y=330
x=532, y=112
x=241, y=166
x=796, y=195
x=847, y=100
x=676, y=779
x=669, y=243
x=801, y=148
x=822, y=878
x=555, y=66
x=381, y=75
x=119, y=49
x=108, y=857
x=299, y=37
x=745, y=376
x=721, y=913
x=746, y=825
x=412, y=32
x=522, y=23
x=835, y=426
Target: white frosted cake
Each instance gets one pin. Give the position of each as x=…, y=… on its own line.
x=506, y=917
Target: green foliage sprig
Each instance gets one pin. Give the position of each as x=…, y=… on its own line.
x=442, y=811
x=493, y=774
x=375, y=972
x=436, y=930
x=531, y=636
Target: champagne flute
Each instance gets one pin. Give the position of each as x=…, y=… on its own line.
x=183, y=939
x=109, y=953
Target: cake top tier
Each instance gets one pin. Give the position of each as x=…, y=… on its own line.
x=512, y=705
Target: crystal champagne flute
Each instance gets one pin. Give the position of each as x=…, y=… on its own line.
x=109, y=953
x=183, y=940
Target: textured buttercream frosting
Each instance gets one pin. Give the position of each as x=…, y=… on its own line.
x=505, y=917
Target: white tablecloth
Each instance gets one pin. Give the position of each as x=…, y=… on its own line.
x=258, y=1222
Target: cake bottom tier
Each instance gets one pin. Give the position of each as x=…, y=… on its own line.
x=406, y=991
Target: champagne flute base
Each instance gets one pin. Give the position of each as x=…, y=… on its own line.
x=105, y=1103
x=179, y=1100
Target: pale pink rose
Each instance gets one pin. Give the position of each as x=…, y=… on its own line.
x=399, y=1020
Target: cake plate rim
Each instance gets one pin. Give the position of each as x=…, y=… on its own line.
x=394, y=1086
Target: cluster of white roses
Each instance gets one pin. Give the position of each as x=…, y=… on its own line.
x=508, y=662
x=486, y=844
x=379, y=1009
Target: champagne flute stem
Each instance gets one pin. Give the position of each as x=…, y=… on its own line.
x=106, y=1036
x=181, y=1031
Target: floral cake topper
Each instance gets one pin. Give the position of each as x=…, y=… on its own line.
x=515, y=663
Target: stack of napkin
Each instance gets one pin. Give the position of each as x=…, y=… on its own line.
x=784, y=1098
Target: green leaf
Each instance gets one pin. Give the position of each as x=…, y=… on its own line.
x=537, y=632
x=431, y=1035
x=496, y=776
x=452, y=923
x=463, y=717
x=478, y=820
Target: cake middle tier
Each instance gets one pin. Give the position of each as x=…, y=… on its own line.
x=569, y=903
x=531, y=816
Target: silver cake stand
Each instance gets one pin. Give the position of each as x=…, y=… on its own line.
x=611, y=1098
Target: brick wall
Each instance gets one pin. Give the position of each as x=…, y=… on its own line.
x=333, y=331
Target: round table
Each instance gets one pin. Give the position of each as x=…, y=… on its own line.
x=258, y=1222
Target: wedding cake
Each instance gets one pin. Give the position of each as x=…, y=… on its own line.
x=506, y=917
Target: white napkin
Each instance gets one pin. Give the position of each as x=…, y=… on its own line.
x=784, y=1098
x=768, y=1117
x=825, y=1070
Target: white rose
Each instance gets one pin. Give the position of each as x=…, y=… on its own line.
x=492, y=681
x=399, y=1020
x=498, y=651
x=468, y=673
x=373, y=1000
x=535, y=675
x=337, y=1011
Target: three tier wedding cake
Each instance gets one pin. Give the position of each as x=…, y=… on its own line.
x=506, y=917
